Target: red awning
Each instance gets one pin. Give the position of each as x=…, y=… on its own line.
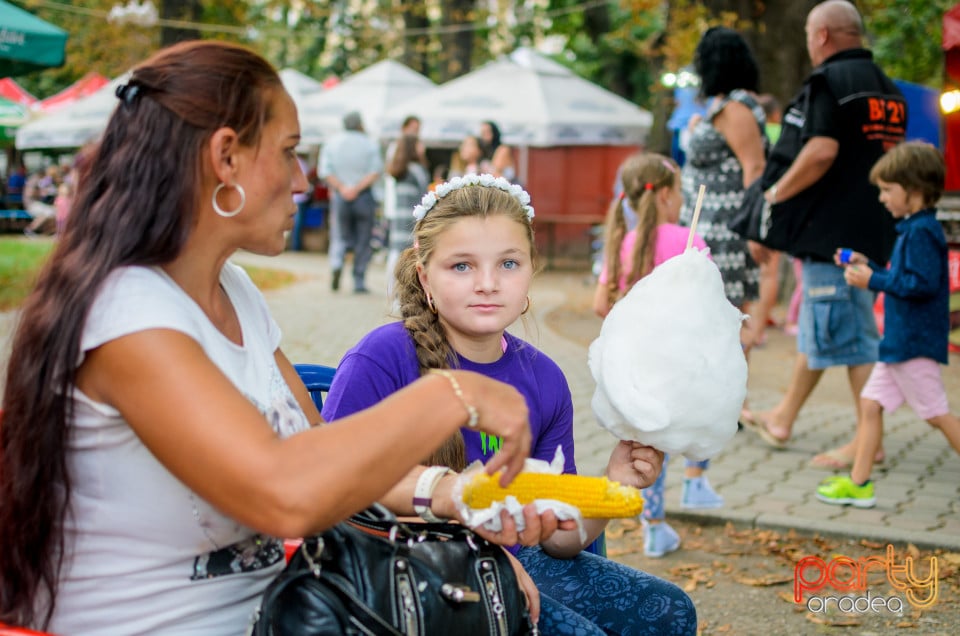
x=9, y=89
x=951, y=28
x=86, y=85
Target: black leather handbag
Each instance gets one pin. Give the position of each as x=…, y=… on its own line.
x=375, y=575
x=752, y=220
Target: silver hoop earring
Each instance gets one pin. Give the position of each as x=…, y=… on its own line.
x=221, y=211
x=527, y=307
x=430, y=305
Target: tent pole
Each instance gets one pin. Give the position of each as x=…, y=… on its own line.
x=524, y=163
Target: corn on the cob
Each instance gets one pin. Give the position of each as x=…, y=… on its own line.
x=595, y=496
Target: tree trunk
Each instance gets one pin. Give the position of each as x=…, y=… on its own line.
x=777, y=40
x=456, y=47
x=186, y=10
x=415, y=48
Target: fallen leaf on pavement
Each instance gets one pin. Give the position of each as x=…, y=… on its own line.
x=763, y=581
x=683, y=569
x=833, y=621
x=953, y=558
x=786, y=596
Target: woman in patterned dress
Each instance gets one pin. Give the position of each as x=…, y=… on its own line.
x=726, y=152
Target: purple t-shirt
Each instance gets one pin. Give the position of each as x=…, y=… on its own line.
x=385, y=361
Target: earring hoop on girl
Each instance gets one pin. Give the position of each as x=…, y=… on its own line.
x=216, y=206
x=430, y=305
x=527, y=307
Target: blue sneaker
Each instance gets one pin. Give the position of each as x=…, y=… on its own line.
x=659, y=539
x=697, y=493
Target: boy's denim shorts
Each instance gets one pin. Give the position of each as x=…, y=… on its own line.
x=836, y=325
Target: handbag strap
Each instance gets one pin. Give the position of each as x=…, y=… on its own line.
x=263, y=623
x=348, y=607
x=358, y=613
x=379, y=521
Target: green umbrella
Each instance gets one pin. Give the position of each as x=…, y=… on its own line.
x=27, y=43
x=12, y=115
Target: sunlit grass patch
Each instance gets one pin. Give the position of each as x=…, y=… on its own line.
x=21, y=261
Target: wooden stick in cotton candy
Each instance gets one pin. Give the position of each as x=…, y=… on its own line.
x=696, y=215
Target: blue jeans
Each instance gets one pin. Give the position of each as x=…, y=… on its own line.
x=351, y=229
x=296, y=234
x=590, y=594
x=836, y=326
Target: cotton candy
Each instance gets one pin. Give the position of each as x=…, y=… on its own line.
x=668, y=363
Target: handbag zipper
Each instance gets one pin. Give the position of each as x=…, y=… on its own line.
x=409, y=613
x=491, y=585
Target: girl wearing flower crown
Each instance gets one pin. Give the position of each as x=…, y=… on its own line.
x=465, y=280
x=651, y=185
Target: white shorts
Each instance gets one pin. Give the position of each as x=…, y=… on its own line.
x=917, y=382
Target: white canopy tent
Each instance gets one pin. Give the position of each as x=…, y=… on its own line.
x=72, y=127
x=299, y=86
x=86, y=118
x=533, y=100
x=370, y=92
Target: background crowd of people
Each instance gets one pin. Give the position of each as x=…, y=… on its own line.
x=45, y=193
x=369, y=193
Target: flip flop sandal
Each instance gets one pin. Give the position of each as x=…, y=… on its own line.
x=760, y=427
x=833, y=459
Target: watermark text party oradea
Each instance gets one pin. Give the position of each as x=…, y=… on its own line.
x=841, y=583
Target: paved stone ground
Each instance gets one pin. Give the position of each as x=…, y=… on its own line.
x=918, y=488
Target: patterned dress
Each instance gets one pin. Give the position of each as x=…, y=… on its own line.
x=710, y=161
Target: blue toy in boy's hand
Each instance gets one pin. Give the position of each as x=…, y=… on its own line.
x=845, y=255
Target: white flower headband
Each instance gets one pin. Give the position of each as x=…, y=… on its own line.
x=430, y=199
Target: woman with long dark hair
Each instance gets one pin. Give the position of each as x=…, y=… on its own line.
x=155, y=438
x=726, y=152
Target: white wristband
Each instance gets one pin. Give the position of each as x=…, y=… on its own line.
x=423, y=493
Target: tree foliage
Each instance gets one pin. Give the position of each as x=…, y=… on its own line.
x=623, y=45
x=906, y=37
x=93, y=45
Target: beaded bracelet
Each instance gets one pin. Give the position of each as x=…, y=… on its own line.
x=471, y=410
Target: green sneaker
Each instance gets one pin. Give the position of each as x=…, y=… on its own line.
x=840, y=490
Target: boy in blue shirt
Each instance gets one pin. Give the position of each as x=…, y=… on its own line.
x=916, y=314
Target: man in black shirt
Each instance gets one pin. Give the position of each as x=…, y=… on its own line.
x=847, y=114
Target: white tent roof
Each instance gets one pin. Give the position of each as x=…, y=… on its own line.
x=86, y=118
x=370, y=92
x=299, y=85
x=533, y=100
x=73, y=126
